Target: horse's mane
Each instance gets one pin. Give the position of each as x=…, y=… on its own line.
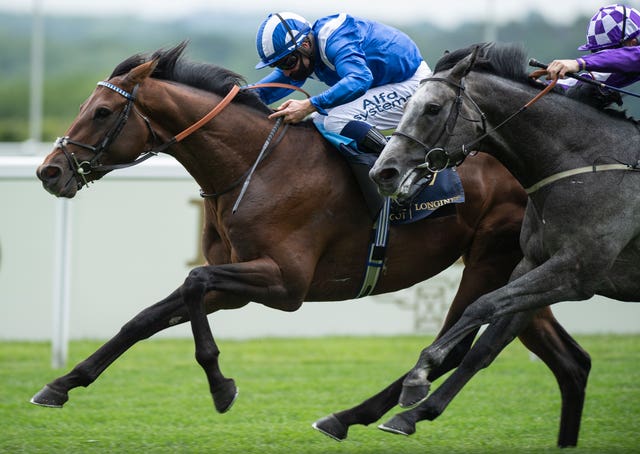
x=172, y=66
x=504, y=60
x=509, y=60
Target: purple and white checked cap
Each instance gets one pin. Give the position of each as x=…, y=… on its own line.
x=606, y=27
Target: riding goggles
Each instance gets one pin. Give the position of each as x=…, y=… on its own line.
x=286, y=63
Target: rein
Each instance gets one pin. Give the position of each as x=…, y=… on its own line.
x=264, y=152
x=597, y=83
x=460, y=96
x=547, y=89
x=278, y=85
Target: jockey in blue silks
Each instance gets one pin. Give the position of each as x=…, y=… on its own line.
x=371, y=70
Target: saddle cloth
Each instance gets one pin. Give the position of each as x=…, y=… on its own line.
x=439, y=191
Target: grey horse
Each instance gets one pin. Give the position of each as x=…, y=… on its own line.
x=578, y=164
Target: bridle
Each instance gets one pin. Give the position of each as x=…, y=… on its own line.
x=461, y=95
x=83, y=168
x=449, y=125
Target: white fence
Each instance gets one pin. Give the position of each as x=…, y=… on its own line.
x=134, y=235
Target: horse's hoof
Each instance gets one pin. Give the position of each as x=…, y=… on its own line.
x=49, y=397
x=398, y=425
x=412, y=395
x=225, y=395
x=331, y=427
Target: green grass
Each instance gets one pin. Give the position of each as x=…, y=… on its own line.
x=155, y=399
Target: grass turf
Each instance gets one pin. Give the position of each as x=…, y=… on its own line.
x=155, y=399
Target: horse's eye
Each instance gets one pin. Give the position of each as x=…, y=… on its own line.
x=101, y=113
x=432, y=108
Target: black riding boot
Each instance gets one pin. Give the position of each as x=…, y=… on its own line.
x=368, y=138
x=370, y=143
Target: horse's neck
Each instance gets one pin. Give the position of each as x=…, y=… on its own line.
x=298, y=160
x=539, y=140
x=223, y=149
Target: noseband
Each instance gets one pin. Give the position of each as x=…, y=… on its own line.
x=461, y=95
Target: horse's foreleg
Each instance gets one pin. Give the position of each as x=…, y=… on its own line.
x=336, y=425
x=549, y=283
x=223, y=390
x=478, y=278
x=258, y=281
x=151, y=320
x=497, y=336
x=545, y=337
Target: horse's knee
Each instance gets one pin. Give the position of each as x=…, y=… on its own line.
x=481, y=312
x=195, y=283
x=453, y=358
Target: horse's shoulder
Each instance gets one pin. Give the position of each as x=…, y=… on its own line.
x=484, y=174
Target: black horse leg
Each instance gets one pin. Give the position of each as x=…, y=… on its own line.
x=490, y=343
x=166, y=313
x=551, y=282
x=258, y=280
x=570, y=365
x=546, y=338
x=336, y=425
x=223, y=390
x=485, y=270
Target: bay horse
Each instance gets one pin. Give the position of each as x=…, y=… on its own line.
x=581, y=231
x=301, y=232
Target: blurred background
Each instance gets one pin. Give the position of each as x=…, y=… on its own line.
x=65, y=46
x=129, y=240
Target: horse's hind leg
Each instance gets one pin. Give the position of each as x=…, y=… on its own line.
x=491, y=342
x=570, y=365
x=545, y=337
x=336, y=425
x=482, y=274
x=168, y=312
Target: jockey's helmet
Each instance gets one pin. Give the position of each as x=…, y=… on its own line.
x=279, y=35
x=611, y=26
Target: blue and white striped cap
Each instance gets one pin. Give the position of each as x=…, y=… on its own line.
x=610, y=26
x=279, y=35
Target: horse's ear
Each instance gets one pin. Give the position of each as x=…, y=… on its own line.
x=138, y=74
x=473, y=57
x=464, y=66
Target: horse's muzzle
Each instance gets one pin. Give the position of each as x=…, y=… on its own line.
x=54, y=181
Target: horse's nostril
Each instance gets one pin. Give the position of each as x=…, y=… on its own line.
x=48, y=173
x=387, y=174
